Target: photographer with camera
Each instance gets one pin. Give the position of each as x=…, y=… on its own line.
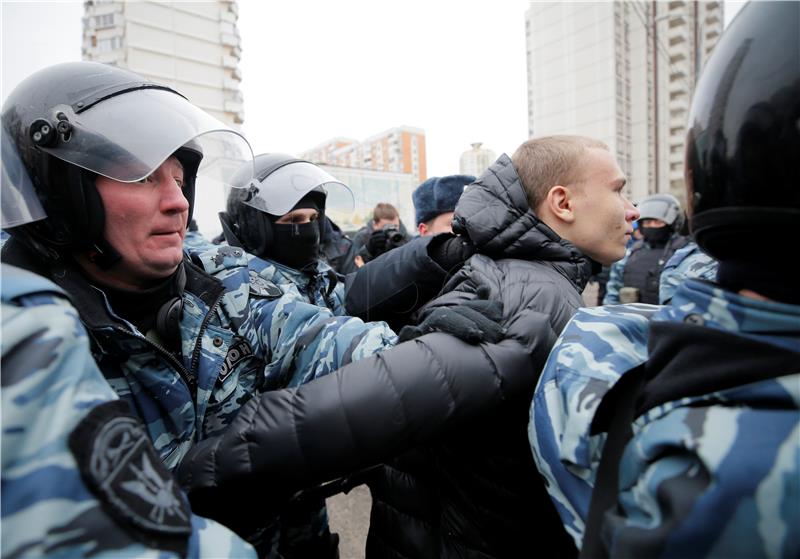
x=380, y=235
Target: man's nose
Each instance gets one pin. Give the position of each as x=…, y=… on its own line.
x=173, y=199
x=631, y=212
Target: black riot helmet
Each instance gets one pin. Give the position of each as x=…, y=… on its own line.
x=280, y=182
x=742, y=167
x=72, y=122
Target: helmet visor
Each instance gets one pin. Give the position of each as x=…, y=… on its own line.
x=20, y=205
x=278, y=193
x=126, y=138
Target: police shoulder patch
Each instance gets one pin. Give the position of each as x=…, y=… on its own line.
x=119, y=464
x=261, y=287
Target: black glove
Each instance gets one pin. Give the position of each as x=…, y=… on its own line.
x=450, y=252
x=377, y=242
x=473, y=322
x=384, y=240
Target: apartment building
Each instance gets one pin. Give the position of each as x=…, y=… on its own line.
x=397, y=150
x=191, y=46
x=622, y=72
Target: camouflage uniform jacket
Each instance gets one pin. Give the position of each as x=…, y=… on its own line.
x=239, y=335
x=687, y=262
x=59, y=418
x=322, y=287
x=713, y=473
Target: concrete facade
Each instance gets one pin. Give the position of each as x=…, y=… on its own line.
x=622, y=72
x=191, y=46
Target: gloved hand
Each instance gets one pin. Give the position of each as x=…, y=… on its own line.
x=384, y=240
x=473, y=322
x=450, y=252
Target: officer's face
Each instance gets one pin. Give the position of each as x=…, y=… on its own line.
x=146, y=223
x=603, y=215
x=442, y=223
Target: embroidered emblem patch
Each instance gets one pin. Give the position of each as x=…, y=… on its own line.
x=239, y=351
x=120, y=465
x=261, y=287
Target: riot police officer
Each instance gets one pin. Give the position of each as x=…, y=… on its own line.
x=673, y=431
x=635, y=278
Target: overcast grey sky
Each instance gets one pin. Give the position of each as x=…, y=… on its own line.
x=315, y=69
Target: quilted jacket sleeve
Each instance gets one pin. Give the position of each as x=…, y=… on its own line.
x=362, y=414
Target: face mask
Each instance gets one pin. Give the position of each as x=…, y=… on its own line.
x=656, y=236
x=295, y=244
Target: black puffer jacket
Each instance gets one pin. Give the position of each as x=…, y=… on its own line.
x=358, y=416
x=478, y=493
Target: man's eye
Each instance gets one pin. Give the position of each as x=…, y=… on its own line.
x=145, y=180
x=180, y=183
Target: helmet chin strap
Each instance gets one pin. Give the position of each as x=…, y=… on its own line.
x=103, y=255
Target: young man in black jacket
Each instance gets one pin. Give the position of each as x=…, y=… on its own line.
x=489, y=501
x=539, y=221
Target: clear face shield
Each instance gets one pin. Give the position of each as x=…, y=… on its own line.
x=278, y=193
x=18, y=199
x=127, y=137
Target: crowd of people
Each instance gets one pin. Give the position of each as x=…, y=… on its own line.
x=169, y=395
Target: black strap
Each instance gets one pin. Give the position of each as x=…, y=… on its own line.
x=684, y=361
x=615, y=414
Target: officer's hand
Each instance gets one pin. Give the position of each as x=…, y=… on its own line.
x=450, y=252
x=473, y=322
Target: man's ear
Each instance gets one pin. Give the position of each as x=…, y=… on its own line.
x=558, y=203
x=423, y=229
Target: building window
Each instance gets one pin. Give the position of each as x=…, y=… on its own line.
x=105, y=20
x=107, y=45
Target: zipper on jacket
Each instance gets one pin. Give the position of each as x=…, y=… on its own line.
x=188, y=378
x=198, y=345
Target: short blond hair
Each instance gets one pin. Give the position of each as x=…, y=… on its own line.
x=543, y=163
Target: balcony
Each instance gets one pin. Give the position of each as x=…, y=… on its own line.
x=229, y=39
x=677, y=35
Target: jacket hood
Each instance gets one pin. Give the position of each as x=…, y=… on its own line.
x=494, y=213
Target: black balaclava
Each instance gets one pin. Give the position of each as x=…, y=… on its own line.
x=297, y=244
x=656, y=236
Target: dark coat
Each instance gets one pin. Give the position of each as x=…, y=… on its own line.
x=395, y=284
x=477, y=493
x=363, y=414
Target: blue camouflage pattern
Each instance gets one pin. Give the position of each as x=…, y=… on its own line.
x=616, y=273
x=615, y=283
x=321, y=287
x=597, y=346
x=745, y=440
x=688, y=262
x=47, y=508
x=281, y=341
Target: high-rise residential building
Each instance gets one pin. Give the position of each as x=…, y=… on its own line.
x=622, y=72
x=191, y=46
x=397, y=150
x=476, y=160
